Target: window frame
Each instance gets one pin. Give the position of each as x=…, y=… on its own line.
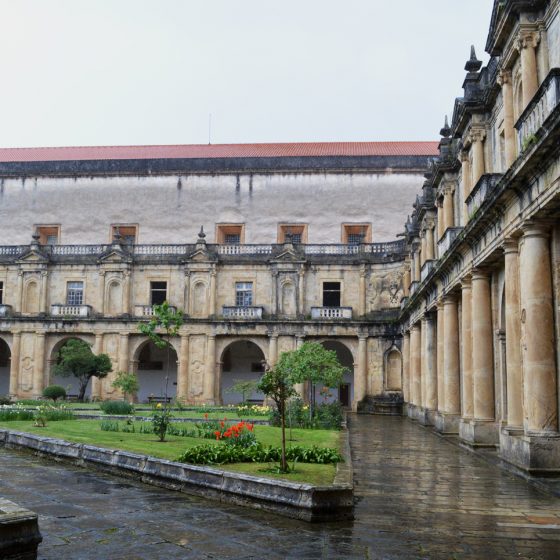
x=285, y=227
x=124, y=226
x=244, y=294
x=223, y=229
x=71, y=293
x=44, y=231
x=356, y=228
x=331, y=291
x=153, y=290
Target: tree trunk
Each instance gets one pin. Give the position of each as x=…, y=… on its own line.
x=82, y=390
x=283, y=462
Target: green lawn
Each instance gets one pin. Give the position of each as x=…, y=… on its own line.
x=89, y=432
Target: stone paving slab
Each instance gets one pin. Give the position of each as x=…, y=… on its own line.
x=418, y=497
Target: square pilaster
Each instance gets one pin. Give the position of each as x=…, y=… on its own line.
x=447, y=424
x=535, y=454
x=478, y=433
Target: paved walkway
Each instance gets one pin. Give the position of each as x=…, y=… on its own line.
x=418, y=498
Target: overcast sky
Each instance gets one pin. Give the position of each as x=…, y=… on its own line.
x=104, y=72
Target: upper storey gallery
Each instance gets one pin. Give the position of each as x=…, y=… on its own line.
x=242, y=194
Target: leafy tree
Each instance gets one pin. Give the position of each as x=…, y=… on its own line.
x=313, y=363
x=76, y=359
x=245, y=388
x=126, y=382
x=54, y=392
x=277, y=384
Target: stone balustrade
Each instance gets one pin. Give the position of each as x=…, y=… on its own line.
x=480, y=191
x=237, y=312
x=170, y=249
x=427, y=267
x=539, y=109
x=70, y=310
x=148, y=310
x=331, y=313
x=244, y=249
x=448, y=237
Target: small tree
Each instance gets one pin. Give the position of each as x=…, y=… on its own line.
x=76, y=359
x=313, y=363
x=164, y=325
x=54, y=392
x=245, y=388
x=127, y=383
x=277, y=384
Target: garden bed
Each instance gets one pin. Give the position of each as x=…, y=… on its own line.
x=321, y=501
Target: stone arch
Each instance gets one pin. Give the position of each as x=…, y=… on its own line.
x=242, y=360
x=288, y=304
x=156, y=369
x=113, y=297
x=71, y=384
x=345, y=355
x=31, y=296
x=5, y=358
x=199, y=299
x=393, y=369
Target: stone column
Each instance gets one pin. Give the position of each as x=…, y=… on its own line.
x=483, y=426
x=186, y=292
x=360, y=377
x=440, y=347
x=415, y=365
x=19, y=294
x=218, y=384
x=14, y=364
x=126, y=292
x=526, y=44
x=95, y=381
x=466, y=353
x=423, y=249
x=212, y=304
x=406, y=366
x=362, y=289
x=448, y=422
x=183, y=369
x=101, y=293
x=272, y=349
x=476, y=137
x=430, y=366
x=44, y=292
x=466, y=181
x=413, y=266
x=406, y=280
x=539, y=368
x=301, y=291
x=210, y=373
x=274, y=304
x=423, y=362
x=430, y=242
x=417, y=266
x=123, y=352
x=504, y=79
x=513, y=335
x=448, y=208
x=440, y=220
x=39, y=365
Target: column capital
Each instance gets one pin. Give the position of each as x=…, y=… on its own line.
x=464, y=156
x=527, y=39
x=466, y=282
x=476, y=135
x=415, y=327
x=480, y=274
x=449, y=299
x=534, y=229
x=510, y=245
x=272, y=334
x=504, y=77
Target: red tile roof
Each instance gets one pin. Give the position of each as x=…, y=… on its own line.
x=304, y=149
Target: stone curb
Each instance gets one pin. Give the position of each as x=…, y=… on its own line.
x=19, y=532
x=297, y=500
x=149, y=418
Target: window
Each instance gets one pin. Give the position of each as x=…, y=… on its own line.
x=231, y=234
x=298, y=233
x=353, y=234
x=331, y=294
x=244, y=294
x=127, y=232
x=74, y=293
x=48, y=235
x=1, y=293
x=158, y=292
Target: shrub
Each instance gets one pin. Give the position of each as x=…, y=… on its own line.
x=161, y=420
x=109, y=426
x=222, y=454
x=326, y=416
x=117, y=407
x=54, y=392
x=238, y=435
x=55, y=413
x=5, y=400
x=15, y=412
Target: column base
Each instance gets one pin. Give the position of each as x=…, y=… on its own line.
x=535, y=454
x=478, y=433
x=426, y=417
x=447, y=424
x=412, y=411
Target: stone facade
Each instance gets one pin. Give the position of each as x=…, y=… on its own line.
x=484, y=244
x=111, y=239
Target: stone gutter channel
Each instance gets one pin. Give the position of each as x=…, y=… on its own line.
x=302, y=501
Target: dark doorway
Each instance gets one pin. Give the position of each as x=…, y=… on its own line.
x=344, y=394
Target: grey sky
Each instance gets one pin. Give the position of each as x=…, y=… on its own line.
x=87, y=72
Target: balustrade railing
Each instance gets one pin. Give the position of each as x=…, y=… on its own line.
x=170, y=249
x=244, y=249
x=426, y=269
x=539, y=109
x=237, y=312
x=448, y=237
x=480, y=191
x=70, y=310
x=13, y=250
x=74, y=249
x=331, y=313
x=148, y=310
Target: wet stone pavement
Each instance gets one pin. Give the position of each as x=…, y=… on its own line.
x=418, y=497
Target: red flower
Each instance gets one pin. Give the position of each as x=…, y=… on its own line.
x=206, y=415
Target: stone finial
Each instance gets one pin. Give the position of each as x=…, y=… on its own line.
x=445, y=131
x=473, y=64
x=35, y=239
x=117, y=237
x=201, y=235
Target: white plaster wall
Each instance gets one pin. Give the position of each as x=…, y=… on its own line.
x=171, y=209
